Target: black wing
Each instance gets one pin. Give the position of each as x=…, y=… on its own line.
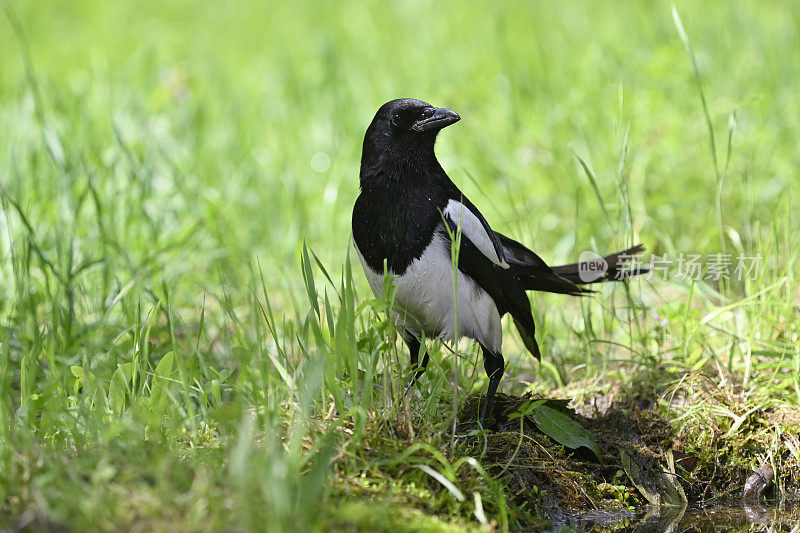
x=533, y=272
x=501, y=285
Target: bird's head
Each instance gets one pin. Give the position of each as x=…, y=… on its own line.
x=402, y=130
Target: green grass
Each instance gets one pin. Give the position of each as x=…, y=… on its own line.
x=183, y=342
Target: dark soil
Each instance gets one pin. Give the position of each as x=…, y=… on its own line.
x=546, y=479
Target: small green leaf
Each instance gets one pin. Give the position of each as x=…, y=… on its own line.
x=78, y=372
x=378, y=305
x=84, y=379
x=161, y=382
x=564, y=430
x=119, y=383
x=526, y=409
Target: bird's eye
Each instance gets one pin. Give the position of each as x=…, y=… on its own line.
x=396, y=119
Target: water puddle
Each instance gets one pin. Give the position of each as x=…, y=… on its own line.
x=731, y=517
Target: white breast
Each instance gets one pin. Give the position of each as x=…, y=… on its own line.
x=424, y=298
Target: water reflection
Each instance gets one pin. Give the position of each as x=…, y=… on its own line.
x=732, y=517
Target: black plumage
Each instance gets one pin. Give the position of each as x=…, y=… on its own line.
x=403, y=221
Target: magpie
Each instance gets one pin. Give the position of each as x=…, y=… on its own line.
x=406, y=220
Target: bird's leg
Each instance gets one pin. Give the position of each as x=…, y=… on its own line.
x=414, y=346
x=493, y=363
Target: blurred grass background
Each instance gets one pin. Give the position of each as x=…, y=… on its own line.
x=161, y=165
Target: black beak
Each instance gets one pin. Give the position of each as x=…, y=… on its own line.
x=441, y=118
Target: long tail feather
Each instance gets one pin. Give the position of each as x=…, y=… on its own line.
x=619, y=268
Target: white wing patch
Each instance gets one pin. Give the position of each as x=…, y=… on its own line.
x=425, y=301
x=472, y=228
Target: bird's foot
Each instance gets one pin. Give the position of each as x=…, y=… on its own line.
x=483, y=419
